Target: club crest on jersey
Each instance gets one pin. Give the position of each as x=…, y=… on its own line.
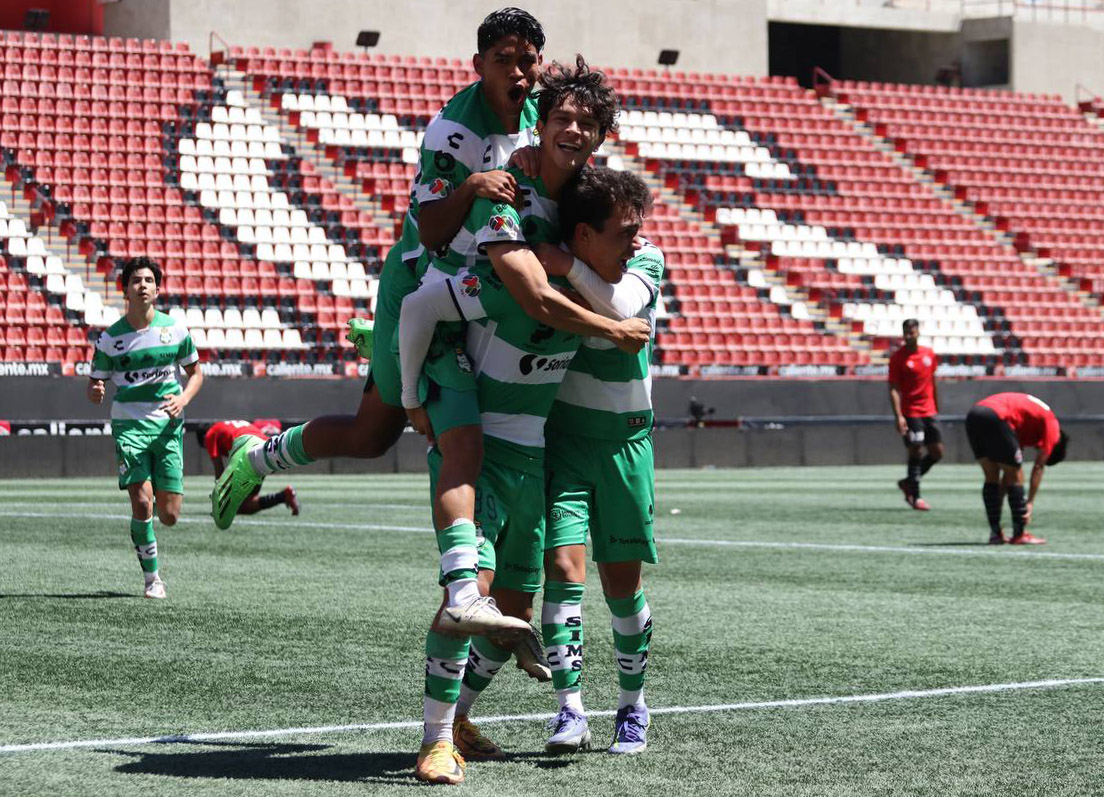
x=471, y=285
x=166, y=335
x=927, y=361
x=502, y=224
x=439, y=187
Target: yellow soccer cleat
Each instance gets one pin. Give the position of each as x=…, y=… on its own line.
x=440, y=763
x=471, y=743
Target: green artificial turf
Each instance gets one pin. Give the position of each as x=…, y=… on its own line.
x=774, y=584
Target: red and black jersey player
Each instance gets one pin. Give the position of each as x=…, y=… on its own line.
x=218, y=439
x=915, y=400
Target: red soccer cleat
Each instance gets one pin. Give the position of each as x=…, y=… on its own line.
x=1027, y=538
x=291, y=499
x=921, y=504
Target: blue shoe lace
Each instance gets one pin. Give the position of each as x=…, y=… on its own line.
x=631, y=725
x=565, y=718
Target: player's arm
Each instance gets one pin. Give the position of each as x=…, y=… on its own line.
x=525, y=279
x=175, y=404
x=637, y=288
x=895, y=401
x=99, y=373
x=439, y=221
x=1036, y=479
x=935, y=393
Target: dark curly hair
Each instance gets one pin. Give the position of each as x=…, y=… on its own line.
x=587, y=87
x=1058, y=453
x=591, y=196
x=134, y=264
x=509, y=22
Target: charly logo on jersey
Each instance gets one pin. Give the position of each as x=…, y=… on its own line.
x=470, y=285
x=503, y=224
x=537, y=363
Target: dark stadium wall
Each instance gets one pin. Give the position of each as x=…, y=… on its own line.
x=712, y=35
x=66, y=16
x=782, y=422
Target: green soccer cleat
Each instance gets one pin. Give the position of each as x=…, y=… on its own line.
x=360, y=335
x=236, y=483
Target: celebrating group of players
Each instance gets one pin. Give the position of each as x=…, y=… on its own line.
x=513, y=328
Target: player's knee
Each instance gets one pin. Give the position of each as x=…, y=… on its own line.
x=168, y=515
x=562, y=564
x=936, y=452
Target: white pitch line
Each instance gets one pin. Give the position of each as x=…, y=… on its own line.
x=720, y=707
x=996, y=553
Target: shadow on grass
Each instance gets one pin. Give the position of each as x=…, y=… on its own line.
x=71, y=595
x=953, y=544
x=284, y=761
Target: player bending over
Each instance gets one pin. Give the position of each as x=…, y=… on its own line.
x=464, y=149
x=139, y=353
x=518, y=358
x=998, y=428
x=219, y=440
x=915, y=400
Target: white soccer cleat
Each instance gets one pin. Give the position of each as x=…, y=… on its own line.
x=478, y=618
x=155, y=589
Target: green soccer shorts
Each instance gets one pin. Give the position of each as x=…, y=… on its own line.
x=396, y=281
x=156, y=457
x=606, y=487
x=509, y=522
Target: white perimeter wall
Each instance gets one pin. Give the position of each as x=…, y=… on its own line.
x=713, y=35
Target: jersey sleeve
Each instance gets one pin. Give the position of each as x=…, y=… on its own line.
x=450, y=153
x=101, y=362
x=187, y=354
x=648, y=265
x=495, y=224
x=210, y=442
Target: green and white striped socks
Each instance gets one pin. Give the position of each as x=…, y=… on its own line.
x=485, y=659
x=282, y=452
x=459, y=561
x=632, y=634
x=562, y=627
x=446, y=659
x=145, y=545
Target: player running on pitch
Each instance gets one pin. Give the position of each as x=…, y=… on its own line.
x=462, y=153
x=998, y=428
x=518, y=358
x=915, y=399
x=219, y=439
x=139, y=353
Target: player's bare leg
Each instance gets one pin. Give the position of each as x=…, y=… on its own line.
x=369, y=434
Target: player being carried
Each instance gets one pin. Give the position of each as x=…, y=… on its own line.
x=998, y=427
x=139, y=353
x=521, y=336
x=219, y=441
x=465, y=146
x=915, y=400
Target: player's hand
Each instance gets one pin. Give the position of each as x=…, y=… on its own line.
x=1027, y=513
x=556, y=261
x=174, y=405
x=631, y=335
x=902, y=427
x=419, y=419
x=498, y=186
x=96, y=391
x=527, y=159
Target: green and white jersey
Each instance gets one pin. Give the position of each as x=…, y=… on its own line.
x=464, y=138
x=490, y=222
x=607, y=393
x=518, y=362
x=142, y=365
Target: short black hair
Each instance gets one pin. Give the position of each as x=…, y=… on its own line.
x=136, y=263
x=587, y=87
x=909, y=323
x=1058, y=453
x=591, y=196
x=201, y=434
x=509, y=21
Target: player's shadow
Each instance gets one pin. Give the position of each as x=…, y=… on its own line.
x=952, y=544
x=282, y=761
x=101, y=595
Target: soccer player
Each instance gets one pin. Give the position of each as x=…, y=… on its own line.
x=218, y=440
x=521, y=336
x=604, y=409
x=139, y=353
x=915, y=400
x=463, y=152
x=998, y=428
